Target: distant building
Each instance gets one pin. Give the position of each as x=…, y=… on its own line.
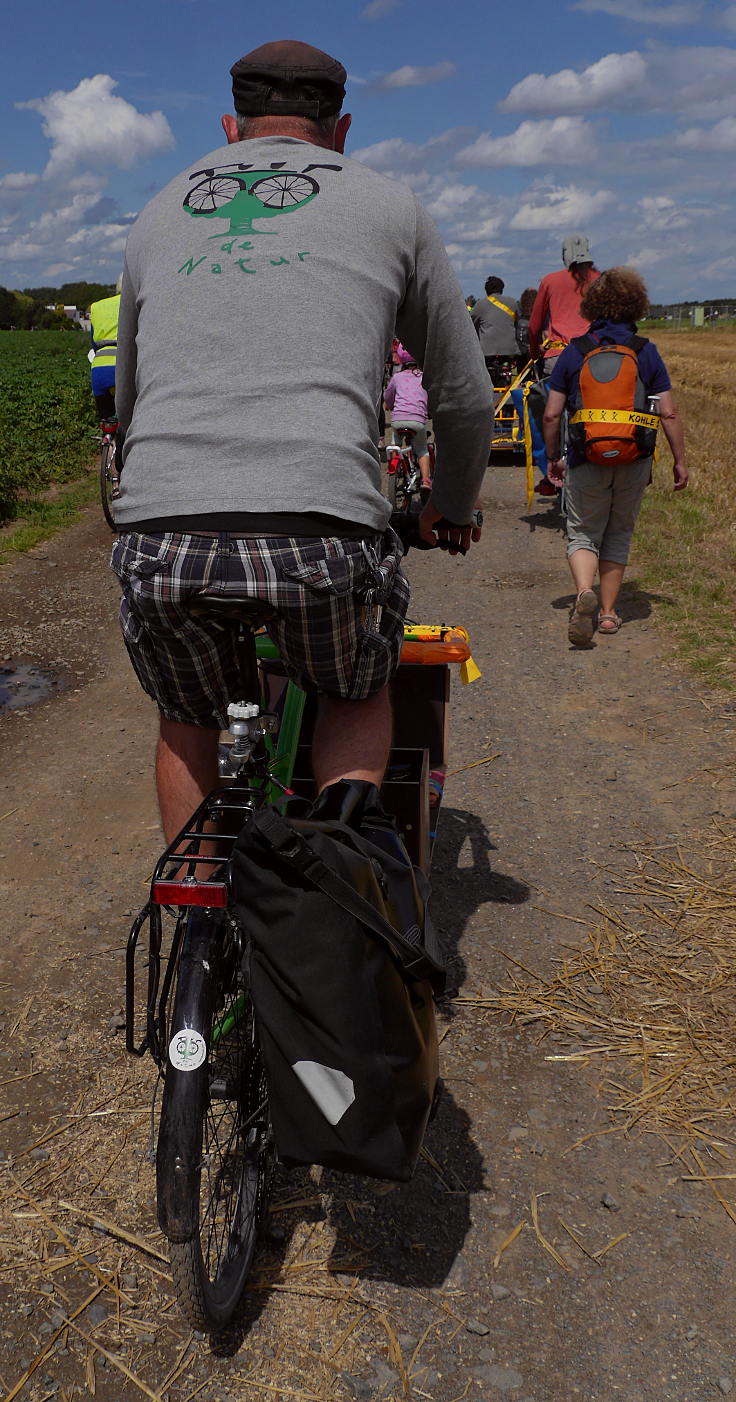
x=73, y=313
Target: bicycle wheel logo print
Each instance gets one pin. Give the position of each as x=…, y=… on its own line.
x=241, y=198
x=187, y=1050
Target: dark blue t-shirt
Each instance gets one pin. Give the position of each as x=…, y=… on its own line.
x=566, y=375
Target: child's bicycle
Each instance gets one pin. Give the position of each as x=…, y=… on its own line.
x=402, y=469
x=109, y=476
x=215, y=1152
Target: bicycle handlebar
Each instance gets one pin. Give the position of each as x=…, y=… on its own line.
x=406, y=526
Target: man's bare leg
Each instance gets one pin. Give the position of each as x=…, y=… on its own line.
x=352, y=739
x=186, y=771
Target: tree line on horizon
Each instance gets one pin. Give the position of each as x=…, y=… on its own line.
x=29, y=309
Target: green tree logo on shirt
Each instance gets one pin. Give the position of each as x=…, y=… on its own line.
x=242, y=194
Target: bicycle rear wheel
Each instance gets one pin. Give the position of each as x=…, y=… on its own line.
x=108, y=481
x=215, y=1150
x=398, y=496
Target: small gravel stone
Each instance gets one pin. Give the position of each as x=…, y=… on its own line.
x=386, y=1378
x=725, y=1385
x=40, y=1155
x=500, y=1292
x=505, y=1379
x=609, y=1201
x=359, y=1388
x=475, y=1326
x=117, y=1022
x=96, y=1314
x=129, y=1281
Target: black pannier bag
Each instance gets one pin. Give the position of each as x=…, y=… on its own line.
x=343, y=967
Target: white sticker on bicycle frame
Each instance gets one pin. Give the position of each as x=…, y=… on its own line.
x=187, y=1050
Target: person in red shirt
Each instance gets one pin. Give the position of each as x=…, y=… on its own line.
x=555, y=317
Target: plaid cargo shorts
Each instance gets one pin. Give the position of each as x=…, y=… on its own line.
x=339, y=612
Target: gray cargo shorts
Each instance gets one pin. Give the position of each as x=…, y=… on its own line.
x=602, y=506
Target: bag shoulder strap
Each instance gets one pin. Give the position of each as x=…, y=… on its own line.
x=637, y=343
x=585, y=343
x=292, y=847
x=501, y=305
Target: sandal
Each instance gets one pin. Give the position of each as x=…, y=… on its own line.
x=609, y=622
x=580, y=627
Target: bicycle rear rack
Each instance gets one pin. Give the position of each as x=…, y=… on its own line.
x=176, y=885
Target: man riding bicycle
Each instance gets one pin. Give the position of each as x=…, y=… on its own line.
x=250, y=460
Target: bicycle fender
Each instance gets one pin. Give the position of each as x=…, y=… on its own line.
x=179, y=1149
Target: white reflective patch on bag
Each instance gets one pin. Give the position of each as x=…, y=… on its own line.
x=331, y=1090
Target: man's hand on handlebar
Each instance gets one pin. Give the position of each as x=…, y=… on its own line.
x=434, y=530
x=441, y=534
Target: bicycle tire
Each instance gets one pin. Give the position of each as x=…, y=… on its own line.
x=107, y=484
x=397, y=494
x=215, y=1151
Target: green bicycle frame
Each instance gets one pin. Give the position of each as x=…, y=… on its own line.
x=287, y=742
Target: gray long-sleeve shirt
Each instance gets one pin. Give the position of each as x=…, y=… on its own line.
x=260, y=293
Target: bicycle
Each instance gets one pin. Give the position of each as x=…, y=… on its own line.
x=109, y=475
x=216, y=1153
x=402, y=468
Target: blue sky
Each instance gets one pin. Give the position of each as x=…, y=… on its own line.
x=514, y=124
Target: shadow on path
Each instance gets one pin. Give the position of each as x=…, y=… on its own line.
x=462, y=881
x=634, y=602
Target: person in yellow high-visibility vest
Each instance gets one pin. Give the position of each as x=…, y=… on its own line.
x=103, y=317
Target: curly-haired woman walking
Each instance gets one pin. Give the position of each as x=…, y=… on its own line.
x=604, y=497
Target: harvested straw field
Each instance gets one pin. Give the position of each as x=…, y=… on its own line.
x=649, y=1000
x=685, y=545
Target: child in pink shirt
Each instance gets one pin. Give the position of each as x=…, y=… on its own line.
x=406, y=399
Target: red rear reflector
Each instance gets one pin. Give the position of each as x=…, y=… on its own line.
x=208, y=893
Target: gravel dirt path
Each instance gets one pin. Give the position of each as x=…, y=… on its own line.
x=365, y=1290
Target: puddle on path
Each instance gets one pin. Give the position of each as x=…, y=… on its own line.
x=23, y=684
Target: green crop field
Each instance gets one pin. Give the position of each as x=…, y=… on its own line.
x=46, y=414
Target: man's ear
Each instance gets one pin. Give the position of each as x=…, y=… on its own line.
x=341, y=131
x=230, y=128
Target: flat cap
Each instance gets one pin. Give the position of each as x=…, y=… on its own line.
x=288, y=78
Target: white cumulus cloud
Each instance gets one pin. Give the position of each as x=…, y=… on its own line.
x=661, y=212
x=599, y=85
x=561, y=208
x=666, y=78
x=646, y=11
x=721, y=137
x=91, y=126
x=560, y=139
x=411, y=77
x=19, y=180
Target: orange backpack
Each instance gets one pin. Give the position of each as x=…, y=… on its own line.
x=610, y=424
